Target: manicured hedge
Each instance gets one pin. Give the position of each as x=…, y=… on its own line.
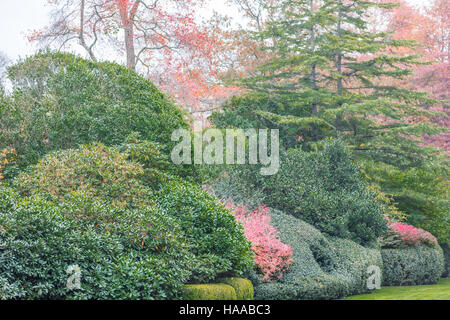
x=323, y=268
x=226, y=289
x=446, y=249
x=412, y=265
x=324, y=189
x=212, y=291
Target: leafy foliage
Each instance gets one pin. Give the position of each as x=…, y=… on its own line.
x=332, y=73
x=272, y=257
x=403, y=235
x=122, y=254
x=7, y=157
x=322, y=268
x=412, y=265
x=218, y=240
x=446, y=249
x=61, y=101
x=161, y=233
x=322, y=188
x=96, y=170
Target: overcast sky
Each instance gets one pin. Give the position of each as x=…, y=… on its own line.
x=18, y=17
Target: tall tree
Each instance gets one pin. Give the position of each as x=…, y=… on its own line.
x=4, y=61
x=159, y=38
x=142, y=30
x=430, y=27
x=333, y=75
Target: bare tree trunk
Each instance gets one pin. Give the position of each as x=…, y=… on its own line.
x=313, y=67
x=128, y=27
x=81, y=34
x=129, y=46
x=339, y=54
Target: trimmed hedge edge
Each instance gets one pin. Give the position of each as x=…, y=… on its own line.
x=243, y=287
x=211, y=291
x=226, y=289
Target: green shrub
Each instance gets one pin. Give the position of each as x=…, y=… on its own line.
x=413, y=265
x=219, y=240
x=169, y=233
x=115, y=250
x=417, y=184
x=243, y=287
x=61, y=101
x=322, y=188
x=212, y=291
x=446, y=250
x=323, y=268
x=99, y=171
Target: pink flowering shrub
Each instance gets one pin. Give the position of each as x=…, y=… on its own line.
x=408, y=235
x=272, y=257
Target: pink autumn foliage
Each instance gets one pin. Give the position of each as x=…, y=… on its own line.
x=410, y=235
x=272, y=257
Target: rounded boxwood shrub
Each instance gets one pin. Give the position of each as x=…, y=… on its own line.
x=322, y=268
x=167, y=231
x=243, y=287
x=61, y=101
x=412, y=265
x=212, y=291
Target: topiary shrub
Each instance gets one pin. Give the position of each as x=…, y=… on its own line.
x=168, y=232
x=243, y=287
x=446, y=250
x=412, y=265
x=324, y=189
x=322, y=268
x=61, y=101
x=212, y=291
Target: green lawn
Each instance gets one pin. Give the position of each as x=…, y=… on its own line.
x=440, y=291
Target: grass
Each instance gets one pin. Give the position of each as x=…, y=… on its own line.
x=440, y=291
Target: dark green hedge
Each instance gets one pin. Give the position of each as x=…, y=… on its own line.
x=446, y=249
x=324, y=189
x=323, y=268
x=414, y=265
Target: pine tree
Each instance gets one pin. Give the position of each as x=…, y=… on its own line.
x=333, y=76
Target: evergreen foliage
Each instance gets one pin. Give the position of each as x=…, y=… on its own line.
x=332, y=76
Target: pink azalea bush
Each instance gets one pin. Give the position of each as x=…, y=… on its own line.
x=410, y=235
x=272, y=257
